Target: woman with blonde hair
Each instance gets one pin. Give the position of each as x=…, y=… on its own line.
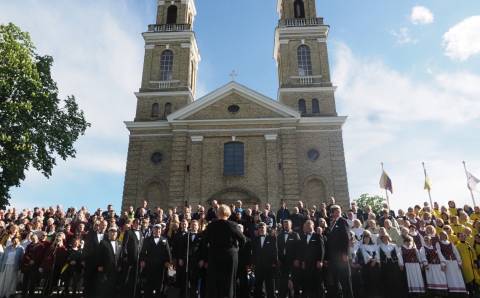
x=224, y=238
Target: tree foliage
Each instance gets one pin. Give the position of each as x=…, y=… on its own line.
x=36, y=126
x=376, y=202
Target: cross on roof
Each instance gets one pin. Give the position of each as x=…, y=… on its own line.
x=233, y=75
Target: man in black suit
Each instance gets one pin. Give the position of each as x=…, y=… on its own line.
x=108, y=265
x=338, y=243
x=311, y=251
x=212, y=211
x=264, y=249
x=189, y=243
x=244, y=266
x=179, y=253
x=155, y=258
x=223, y=239
x=90, y=253
x=287, y=244
x=132, y=245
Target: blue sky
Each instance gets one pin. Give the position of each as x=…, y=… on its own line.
x=407, y=74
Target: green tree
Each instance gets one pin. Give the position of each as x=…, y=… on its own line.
x=36, y=127
x=376, y=202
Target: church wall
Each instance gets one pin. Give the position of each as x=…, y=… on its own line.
x=326, y=101
x=144, y=106
x=212, y=178
x=219, y=110
x=142, y=174
x=328, y=168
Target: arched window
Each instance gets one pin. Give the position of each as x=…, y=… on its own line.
x=155, y=110
x=299, y=9
x=166, y=65
x=302, y=107
x=233, y=159
x=315, y=106
x=168, y=109
x=304, y=61
x=172, y=14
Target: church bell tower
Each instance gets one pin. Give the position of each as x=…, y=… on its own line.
x=302, y=59
x=171, y=62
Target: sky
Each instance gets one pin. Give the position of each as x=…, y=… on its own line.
x=408, y=77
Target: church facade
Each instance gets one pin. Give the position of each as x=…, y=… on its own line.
x=235, y=143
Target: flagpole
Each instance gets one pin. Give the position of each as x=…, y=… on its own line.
x=386, y=192
x=428, y=189
x=471, y=191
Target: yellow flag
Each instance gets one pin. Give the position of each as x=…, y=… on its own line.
x=428, y=184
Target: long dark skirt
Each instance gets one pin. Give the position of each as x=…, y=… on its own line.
x=222, y=275
x=371, y=276
x=393, y=283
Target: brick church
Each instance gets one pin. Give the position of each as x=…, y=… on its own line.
x=235, y=143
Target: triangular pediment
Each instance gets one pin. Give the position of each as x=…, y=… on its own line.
x=234, y=101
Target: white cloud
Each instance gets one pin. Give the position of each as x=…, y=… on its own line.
x=463, y=40
x=402, y=121
x=403, y=36
x=421, y=15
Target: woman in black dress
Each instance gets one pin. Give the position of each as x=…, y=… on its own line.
x=223, y=239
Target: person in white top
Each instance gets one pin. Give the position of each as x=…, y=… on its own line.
x=453, y=263
x=371, y=265
x=435, y=266
x=390, y=271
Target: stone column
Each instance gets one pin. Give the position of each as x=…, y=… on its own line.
x=178, y=169
x=195, y=195
x=271, y=169
x=289, y=165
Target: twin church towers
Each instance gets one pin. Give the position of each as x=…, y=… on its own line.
x=235, y=143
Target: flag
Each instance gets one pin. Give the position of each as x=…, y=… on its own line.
x=472, y=181
x=386, y=182
x=428, y=184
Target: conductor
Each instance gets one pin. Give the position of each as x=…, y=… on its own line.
x=223, y=239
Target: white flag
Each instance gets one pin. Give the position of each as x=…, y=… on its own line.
x=472, y=181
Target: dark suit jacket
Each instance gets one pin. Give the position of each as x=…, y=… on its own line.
x=223, y=238
x=155, y=255
x=312, y=251
x=90, y=250
x=338, y=240
x=131, y=247
x=264, y=257
x=107, y=259
x=287, y=250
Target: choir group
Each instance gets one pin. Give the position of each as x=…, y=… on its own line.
x=314, y=252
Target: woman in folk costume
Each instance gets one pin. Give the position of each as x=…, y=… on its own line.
x=431, y=232
x=370, y=264
x=410, y=262
x=417, y=238
x=357, y=229
x=435, y=266
x=356, y=266
x=391, y=277
x=10, y=267
x=453, y=263
x=469, y=263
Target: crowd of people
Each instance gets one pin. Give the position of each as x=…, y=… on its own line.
x=241, y=251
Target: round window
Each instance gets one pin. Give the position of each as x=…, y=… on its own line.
x=156, y=158
x=313, y=154
x=233, y=109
